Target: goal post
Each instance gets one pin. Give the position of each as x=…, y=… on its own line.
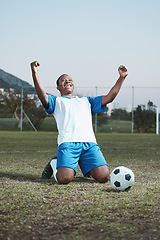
x=157, y=120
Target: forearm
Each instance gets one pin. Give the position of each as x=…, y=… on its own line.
x=39, y=89
x=116, y=88
x=113, y=92
x=123, y=72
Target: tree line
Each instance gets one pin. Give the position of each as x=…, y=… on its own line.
x=144, y=117
x=10, y=103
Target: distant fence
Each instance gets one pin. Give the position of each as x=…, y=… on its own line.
x=128, y=99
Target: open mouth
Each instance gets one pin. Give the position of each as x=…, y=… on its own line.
x=68, y=85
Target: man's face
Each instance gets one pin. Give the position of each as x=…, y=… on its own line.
x=66, y=85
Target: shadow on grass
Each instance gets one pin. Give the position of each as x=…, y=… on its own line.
x=83, y=179
x=111, y=190
x=21, y=176
x=36, y=178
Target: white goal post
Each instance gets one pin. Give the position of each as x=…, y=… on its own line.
x=157, y=120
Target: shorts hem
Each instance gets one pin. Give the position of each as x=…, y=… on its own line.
x=68, y=167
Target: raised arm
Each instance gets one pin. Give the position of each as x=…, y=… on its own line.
x=123, y=72
x=39, y=89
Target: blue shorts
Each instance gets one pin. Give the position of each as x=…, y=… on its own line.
x=87, y=155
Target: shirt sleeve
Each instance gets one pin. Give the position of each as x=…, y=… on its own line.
x=96, y=104
x=52, y=102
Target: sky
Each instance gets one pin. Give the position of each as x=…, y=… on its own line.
x=87, y=39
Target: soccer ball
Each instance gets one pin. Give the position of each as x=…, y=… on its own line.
x=122, y=178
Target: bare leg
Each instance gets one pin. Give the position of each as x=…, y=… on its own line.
x=64, y=175
x=100, y=173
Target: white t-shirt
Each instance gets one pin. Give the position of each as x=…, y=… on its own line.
x=74, y=117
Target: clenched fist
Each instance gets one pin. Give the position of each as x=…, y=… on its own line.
x=123, y=71
x=35, y=67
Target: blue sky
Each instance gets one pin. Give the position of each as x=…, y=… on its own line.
x=88, y=39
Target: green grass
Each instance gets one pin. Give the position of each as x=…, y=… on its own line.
x=49, y=124
x=116, y=126
x=8, y=123
x=32, y=208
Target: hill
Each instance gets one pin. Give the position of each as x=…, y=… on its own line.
x=8, y=80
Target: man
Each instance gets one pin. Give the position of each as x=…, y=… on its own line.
x=76, y=140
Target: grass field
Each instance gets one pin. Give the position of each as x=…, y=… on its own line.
x=32, y=208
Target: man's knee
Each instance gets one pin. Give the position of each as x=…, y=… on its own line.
x=101, y=173
x=64, y=179
x=64, y=175
x=103, y=178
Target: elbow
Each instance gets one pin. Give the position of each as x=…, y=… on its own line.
x=113, y=96
x=107, y=99
x=44, y=101
x=45, y=104
x=111, y=99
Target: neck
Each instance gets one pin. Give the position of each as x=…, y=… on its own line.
x=67, y=95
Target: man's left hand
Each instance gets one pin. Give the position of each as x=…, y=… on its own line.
x=123, y=71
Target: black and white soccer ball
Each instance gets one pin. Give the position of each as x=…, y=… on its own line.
x=122, y=178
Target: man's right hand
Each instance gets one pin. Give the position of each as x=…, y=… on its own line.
x=35, y=67
x=39, y=89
